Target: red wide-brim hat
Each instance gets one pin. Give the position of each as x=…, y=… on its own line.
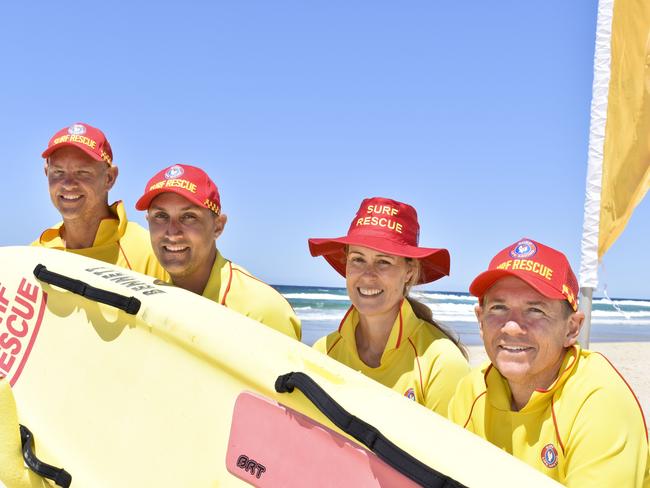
x=387, y=226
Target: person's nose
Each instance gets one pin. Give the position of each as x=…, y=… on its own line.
x=514, y=324
x=68, y=181
x=370, y=270
x=173, y=227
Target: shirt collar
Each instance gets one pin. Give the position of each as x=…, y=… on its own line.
x=498, y=385
x=111, y=229
x=405, y=324
x=220, y=273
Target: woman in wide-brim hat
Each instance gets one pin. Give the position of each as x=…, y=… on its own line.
x=386, y=334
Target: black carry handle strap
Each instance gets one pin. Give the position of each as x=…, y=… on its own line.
x=365, y=433
x=130, y=305
x=59, y=475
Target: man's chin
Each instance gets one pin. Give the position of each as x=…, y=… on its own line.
x=68, y=213
x=513, y=370
x=175, y=267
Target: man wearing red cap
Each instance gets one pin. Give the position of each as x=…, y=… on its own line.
x=564, y=410
x=185, y=219
x=80, y=172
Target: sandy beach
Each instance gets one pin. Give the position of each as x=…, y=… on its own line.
x=630, y=358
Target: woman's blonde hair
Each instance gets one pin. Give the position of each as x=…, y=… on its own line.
x=423, y=312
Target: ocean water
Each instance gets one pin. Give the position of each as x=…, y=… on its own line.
x=321, y=310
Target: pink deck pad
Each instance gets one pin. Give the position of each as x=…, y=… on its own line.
x=272, y=445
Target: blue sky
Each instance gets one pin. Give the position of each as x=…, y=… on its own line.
x=476, y=113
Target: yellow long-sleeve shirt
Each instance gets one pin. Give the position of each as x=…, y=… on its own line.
x=117, y=241
x=587, y=429
x=419, y=361
x=234, y=287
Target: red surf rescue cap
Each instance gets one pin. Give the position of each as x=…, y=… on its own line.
x=187, y=181
x=89, y=139
x=548, y=271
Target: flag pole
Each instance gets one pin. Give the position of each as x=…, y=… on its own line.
x=590, y=233
x=586, y=296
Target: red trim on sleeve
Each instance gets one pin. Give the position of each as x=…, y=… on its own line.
x=263, y=282
x=565, y=371
x=485, y=375
x=417, y=359
x=128, y=263
x=340, y=327
x=399, y=336
x=245, y=274
x=345, y=317
x=471, y=410
x=557, y=430
x=631, y=391
x=225, y=294
x=335, y=343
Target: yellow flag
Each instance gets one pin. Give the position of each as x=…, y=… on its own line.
x=626, y=152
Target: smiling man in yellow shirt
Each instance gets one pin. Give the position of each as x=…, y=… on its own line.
x=185, y=219
x=564, y=410
x=80, y=172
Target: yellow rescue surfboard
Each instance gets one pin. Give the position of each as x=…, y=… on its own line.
x=122, y=381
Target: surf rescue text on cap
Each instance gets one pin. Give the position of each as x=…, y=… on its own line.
x=89, y=139
x=388, y=226
x=187, y=181
x=548, y=271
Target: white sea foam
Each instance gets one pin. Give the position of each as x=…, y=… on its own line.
x=442, y=297
x=443, y=317
x=314, y=296
x=307, y=313
x=633, y=313
x=458, y=309
x=621, y=321
x=320, y=316
x=623, y=303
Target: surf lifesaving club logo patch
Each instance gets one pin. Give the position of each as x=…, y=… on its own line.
x=174, y=172
x=549, y=456
x=410, y=394
x=172, y=179
x=77, y=129
x=523, y=249
x=21, y=313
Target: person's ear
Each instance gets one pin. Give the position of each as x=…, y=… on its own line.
x=574, y=325
x=111, y=176
x=219, y=224
x=478, y=311
x=411, y=271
